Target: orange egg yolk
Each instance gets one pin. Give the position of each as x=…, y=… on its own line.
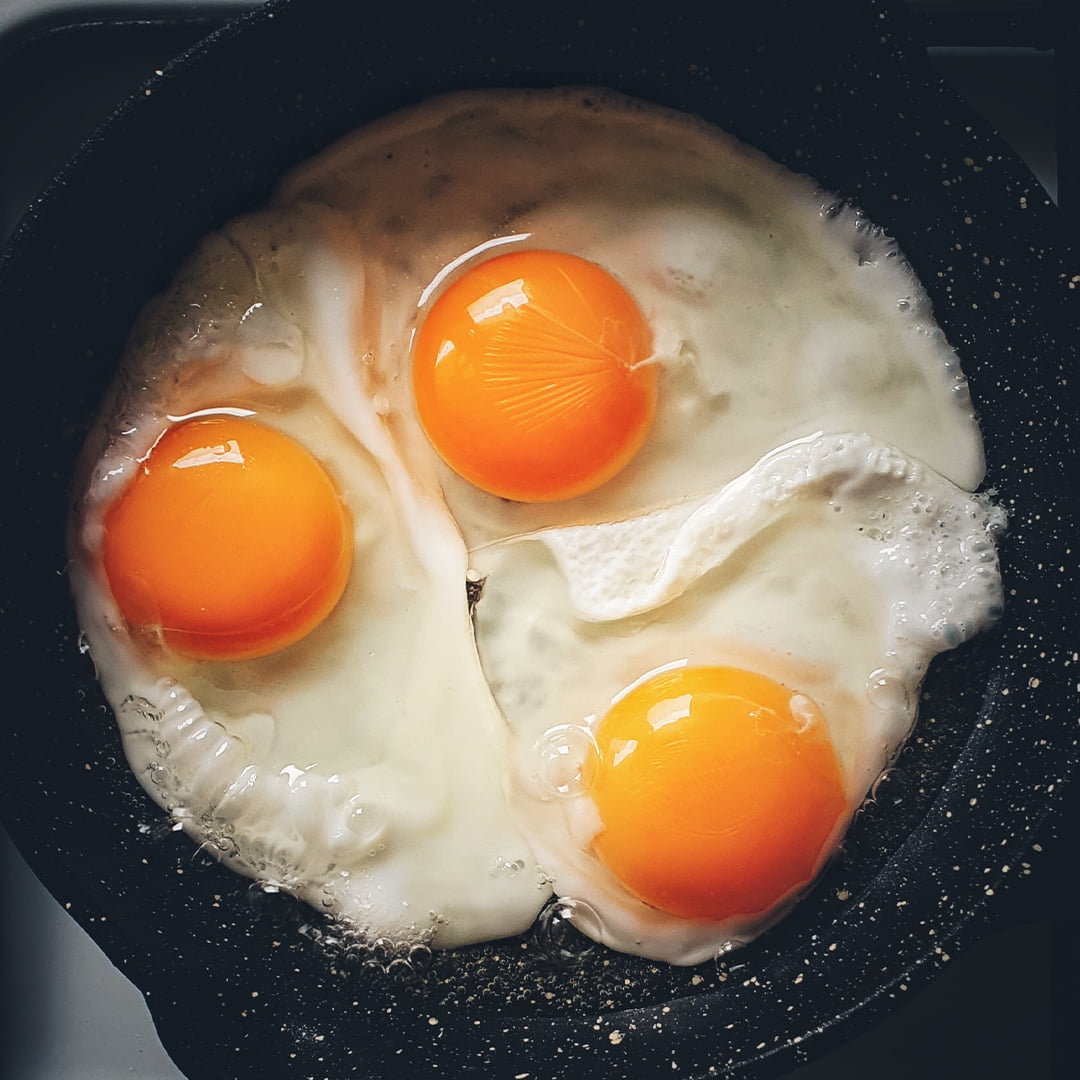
x=718, y=791
x=231, y=540
x=531, y=377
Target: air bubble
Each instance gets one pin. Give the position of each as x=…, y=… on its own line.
x=567, y=760
x=365, y=822
x=400, y=970
x=382, y=951
x=226, y=846
x=420, y=957
x=891, y=787
x=566, y=931
x=723, y=951
x=887, y=692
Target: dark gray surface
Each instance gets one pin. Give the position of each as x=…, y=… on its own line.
x=75, y=1017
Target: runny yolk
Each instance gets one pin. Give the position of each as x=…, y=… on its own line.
x=230, y=540
x=718, y=791
x=531, y=376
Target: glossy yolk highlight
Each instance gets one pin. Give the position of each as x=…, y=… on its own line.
x=231, y=540
x=530, y=376
x=718, y=791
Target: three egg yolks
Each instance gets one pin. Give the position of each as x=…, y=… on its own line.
x=230, y=540
x=718, y=790
x=531, y=376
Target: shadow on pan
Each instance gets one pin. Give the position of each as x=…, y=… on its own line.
x=259, y=988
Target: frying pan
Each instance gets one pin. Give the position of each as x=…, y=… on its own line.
x=244, y=984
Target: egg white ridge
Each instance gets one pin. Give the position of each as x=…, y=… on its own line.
x=691, y=538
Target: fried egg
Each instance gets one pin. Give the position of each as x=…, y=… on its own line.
x=606, y=359
x=702, y=697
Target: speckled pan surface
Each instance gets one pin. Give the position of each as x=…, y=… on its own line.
x=244, y=984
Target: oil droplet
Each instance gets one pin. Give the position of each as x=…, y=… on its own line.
x=383, y=950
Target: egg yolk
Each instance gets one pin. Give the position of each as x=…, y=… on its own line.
x=718, y=790
x=531, y=377
x=230, y=540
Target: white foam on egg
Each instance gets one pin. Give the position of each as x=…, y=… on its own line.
x=835, y=565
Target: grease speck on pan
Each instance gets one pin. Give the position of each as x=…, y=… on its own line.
x=992, y=711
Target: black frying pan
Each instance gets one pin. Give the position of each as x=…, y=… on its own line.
x=925, y=863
